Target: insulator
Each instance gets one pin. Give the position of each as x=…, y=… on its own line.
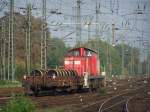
x=138, y=6
x=144, y=7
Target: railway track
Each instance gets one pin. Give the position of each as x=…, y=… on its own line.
x=118, y=99
x=88, y=102
x=7, y=92
x=79, y=101
x=120, y=102
x=4, y=100
x=148, y=110
x=127, y=103
x=63, y=100
x=140, y=102
x=115, y=103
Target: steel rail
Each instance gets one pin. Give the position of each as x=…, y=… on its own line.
x=127, y=103
x=122, y=101
x=111, y=98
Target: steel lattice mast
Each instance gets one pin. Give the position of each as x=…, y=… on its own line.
x=11, y=57
x=1, y=70
x=78, y=22
x=28, y=40
x=3, y=51
x=44, y=37
x=97, y=9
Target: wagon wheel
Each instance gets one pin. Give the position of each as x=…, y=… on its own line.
x=55, y=92
x=36, y=91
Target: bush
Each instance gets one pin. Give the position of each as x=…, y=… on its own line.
x=6, y=83
x=102, y=92
x=19, y=104
x=58, y=109
x=2, y=82
x=20, y=71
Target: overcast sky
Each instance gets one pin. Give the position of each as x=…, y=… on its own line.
x=125, y=9
x=120, y=12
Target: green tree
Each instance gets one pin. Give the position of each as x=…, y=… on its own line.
x=109, y=56
x=146, y=65
x=19, y=104
x=56, y=52
x=131, y=57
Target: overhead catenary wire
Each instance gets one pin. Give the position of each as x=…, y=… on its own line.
x=61, y=6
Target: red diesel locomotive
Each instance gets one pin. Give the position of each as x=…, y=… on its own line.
x=81, y=71
x=82, y=60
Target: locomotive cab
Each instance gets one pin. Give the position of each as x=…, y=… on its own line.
x=83, y=60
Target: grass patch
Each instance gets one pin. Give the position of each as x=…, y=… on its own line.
x=102, y=92
x=4, y=84
x=55, y=110
x=19, y=104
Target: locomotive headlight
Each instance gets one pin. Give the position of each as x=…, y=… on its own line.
x=25, y=77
